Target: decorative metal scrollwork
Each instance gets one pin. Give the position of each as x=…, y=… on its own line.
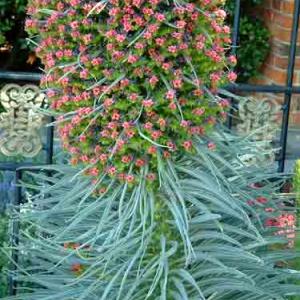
x=20, y=123
x=259, y=120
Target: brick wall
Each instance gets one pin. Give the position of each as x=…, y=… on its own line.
x=278, y=16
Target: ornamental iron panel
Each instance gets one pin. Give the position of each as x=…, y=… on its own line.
x=21, y=121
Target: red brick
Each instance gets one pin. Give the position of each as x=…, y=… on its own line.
x=295, y=118
x=270, y=60
x=280, y=61
x=261, y=79
x=268, y=15
x=278, y=76
x=283, y=6
x=297, y=78
x=281, y=34
x=283, y=20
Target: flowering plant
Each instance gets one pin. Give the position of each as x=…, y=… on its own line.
x=137, y=83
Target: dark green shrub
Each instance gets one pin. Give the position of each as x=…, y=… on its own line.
x=15, y=52
x=254, y=40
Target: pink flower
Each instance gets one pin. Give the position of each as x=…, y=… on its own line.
x=103, y=157
x=84, y=158
x=148, y=126
x=211, y=146
x=215, y=77
x=132, y=59
x=262, y=200
x=148, y=11
x=171, y=145
x=232, y=59
x=160, y=17
x=153, y=80
x=162, y=122
x=74, y=25
x=126, y=159
x=177, y=83
x=111, y=171
x=220, y=13
x=152, y=150
x=187, y=145
x=140, y=162
x=97, y=61
x=133, y=97
x=139, y=45
x=199, y=111
x=170, y=95
x=160, y=41
x=232, y=76
x=65, y=81
x=172, y=106
x=97, y=92
x=147, y=35
x=185, y=123
x=116, y=116
x=126, y=125
x=94, y=171
x=148, y=103
x=82, y=138
x=180, y=24
x=87, y=38
x=166, y=66
x=172, y=49
x=151, y=176
x=120, y=38
x=130, y=178
x=68, y=53
x=84, y=74
x=74, y=2
x=224, y=103
x=156, y=134
x=226, y=29
x=130, y=133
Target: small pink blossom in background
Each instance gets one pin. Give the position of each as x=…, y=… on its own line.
x=211, y=146
x=187, y=145
x=172, y=49
x=232, y=76
x=232, y=59
x=170, y=95
x=130, y=178
x=148, y=103
x=94, y=172
x=152, y=150
x=112, y=171
x=177, y=83
x=126, y=159
x=172, y=106
x=151, y=176
x=132, y=59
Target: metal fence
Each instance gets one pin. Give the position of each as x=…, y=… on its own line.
x=288, y=90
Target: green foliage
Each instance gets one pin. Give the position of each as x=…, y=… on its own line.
x=194, y=238
x=3, y=258
x=296, y=187
x=12, y=12
x=254, y=40
x=16, y=52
